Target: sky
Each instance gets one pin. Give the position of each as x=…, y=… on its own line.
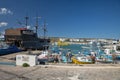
x=64, y=18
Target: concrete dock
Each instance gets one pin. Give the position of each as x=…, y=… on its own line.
x=58, y=71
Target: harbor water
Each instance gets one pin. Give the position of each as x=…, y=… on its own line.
x=84, y=49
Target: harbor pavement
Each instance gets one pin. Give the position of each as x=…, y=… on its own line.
x=61, y=72
x=57, y=71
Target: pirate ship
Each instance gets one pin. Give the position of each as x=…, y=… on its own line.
x=26, y=38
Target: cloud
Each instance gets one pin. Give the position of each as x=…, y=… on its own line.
x=2, y=24
x=5, y=11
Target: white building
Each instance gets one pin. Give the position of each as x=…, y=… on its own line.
x=29, y=59
x=74, y=40
x=62, y=39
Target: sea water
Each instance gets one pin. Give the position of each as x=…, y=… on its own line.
x=84, y=49
x=76, y=48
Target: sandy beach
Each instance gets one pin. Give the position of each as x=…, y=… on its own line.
x=58, y=71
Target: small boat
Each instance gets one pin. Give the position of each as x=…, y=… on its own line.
x=106, y=58
x=81, y=60
x=6, y=49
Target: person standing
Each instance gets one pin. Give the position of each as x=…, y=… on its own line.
x=93, y=58
x=114, y=56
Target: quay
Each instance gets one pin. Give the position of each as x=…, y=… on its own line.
x=57, y=71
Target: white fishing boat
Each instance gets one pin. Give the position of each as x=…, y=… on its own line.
x=82, y=60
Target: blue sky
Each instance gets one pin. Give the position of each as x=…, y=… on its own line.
x=65, y=18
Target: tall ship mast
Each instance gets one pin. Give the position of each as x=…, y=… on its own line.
x=26, y=19
x=44, y=29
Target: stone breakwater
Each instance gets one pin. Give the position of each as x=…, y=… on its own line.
x=60, y=72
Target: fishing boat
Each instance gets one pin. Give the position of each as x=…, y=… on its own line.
x=6, y=49
x=81, y=60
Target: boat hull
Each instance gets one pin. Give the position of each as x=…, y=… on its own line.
x=74, y=60
x=11, y=49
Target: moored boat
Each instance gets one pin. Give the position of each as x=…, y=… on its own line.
x=6, y=49
x=81, y=60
